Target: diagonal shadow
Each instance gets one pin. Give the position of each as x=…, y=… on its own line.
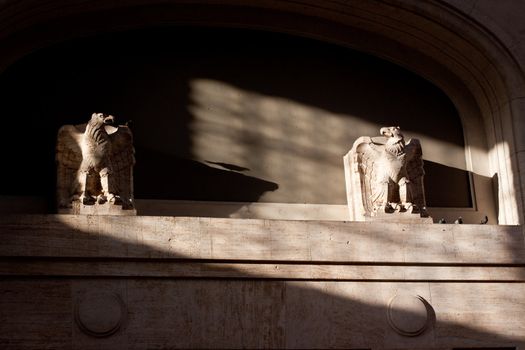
x=48, y=262
x=316, y=97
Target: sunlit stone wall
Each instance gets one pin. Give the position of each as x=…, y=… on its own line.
x=297, y=143
x=136, y=282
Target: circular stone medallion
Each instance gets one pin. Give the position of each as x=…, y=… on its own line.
x=408, y=315
x=99, y=314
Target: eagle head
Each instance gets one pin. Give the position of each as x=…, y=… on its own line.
x=395, y=142
x=102, y=119
x=391, y=131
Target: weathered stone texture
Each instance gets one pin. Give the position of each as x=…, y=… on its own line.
x=169, y=314
x=95, y=168
x=231, y=283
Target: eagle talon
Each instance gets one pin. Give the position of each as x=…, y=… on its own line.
x=87, y=200
x=114, y=199
x=389, y=209
x=126, y=204
x=422, y=212
x=402, y=208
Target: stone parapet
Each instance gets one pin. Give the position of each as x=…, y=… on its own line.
x=133, y=282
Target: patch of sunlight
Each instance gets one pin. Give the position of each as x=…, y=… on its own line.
x=296, y=145
x=508, y=184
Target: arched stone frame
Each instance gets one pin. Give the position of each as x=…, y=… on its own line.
x=431, y=38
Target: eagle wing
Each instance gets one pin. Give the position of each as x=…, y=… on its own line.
x=367, y=152
x=122, y=162
x=68, y=158
x=414, y=159
x=415, y=173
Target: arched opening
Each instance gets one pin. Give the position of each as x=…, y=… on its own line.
x=231, y=115
x=460, y=65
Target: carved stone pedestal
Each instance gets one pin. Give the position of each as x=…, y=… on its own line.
x=97, y=209
x=399, y=218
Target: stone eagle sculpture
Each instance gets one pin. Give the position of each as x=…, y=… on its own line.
x=384, y=175
x=95, y=164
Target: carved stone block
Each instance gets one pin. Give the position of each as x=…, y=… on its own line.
x=95, y=168
x=384, y=178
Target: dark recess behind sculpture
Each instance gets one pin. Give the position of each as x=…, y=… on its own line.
x=113, y=73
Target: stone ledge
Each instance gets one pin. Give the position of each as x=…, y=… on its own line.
x=97, y=209
x=95, y=268
x=138, y=237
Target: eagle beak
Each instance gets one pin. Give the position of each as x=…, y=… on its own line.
x=109, y=120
